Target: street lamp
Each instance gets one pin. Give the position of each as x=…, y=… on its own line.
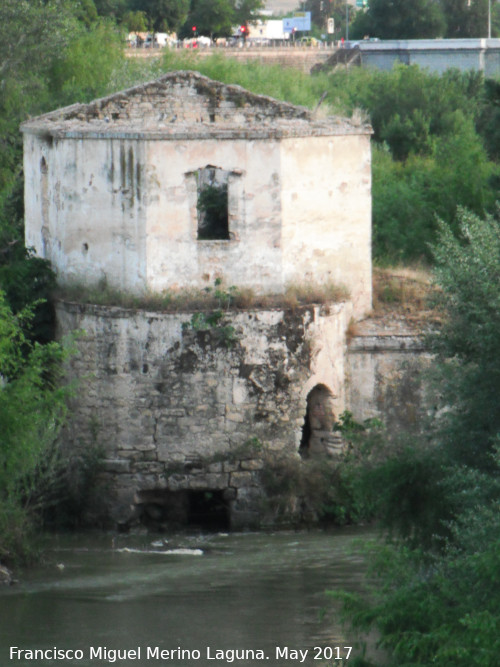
x=489, y=19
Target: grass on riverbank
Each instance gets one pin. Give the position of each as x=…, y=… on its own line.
x=216, y=296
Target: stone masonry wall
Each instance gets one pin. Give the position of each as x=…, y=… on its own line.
x=179, y=409
x=385, y=379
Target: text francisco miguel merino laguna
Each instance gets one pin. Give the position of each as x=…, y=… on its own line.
x=111, y=655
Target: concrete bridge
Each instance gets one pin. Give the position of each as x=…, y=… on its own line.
x=436, y=55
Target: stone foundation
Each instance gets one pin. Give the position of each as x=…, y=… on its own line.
x=188, y=417
x=386, y=379
x=179, y=409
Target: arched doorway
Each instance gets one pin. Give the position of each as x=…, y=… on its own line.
x=317, y=431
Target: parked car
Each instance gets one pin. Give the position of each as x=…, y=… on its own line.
x=309, y=41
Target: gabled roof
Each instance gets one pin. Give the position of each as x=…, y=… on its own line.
x=186, y=105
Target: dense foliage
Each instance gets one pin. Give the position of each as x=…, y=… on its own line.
x=468, y=270
x=400, y=19
x=209, y=17
x=219, y=18
x=162, y=15
x=52, y=53
x=425, y=19
x=436, y=598
x=432, y=150
x=32, y=408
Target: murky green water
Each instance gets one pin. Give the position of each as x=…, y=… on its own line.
x=264, y=592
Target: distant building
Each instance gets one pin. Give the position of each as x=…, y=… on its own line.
x=266, y=30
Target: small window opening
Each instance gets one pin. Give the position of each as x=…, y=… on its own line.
x=43, y=166
x=213, y=213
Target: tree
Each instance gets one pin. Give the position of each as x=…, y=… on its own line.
x=488, y=121
x=400, y=19
x=86, y=12
x=163, y=15
x=465, y=18
x=246, y=10
x=32, y=410
x=115, y=9
x=437, y=598
x=214, y=18
x=321, y=10
x=218, y=18
x=468, y=270
x=84, y=70
x=408, y=106
x=428, y=156
x=135, y=21
x=32, y=34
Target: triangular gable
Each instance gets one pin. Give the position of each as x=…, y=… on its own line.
x=176, y=97
x=187, y=105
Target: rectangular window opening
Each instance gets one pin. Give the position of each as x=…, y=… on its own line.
x=213, y=209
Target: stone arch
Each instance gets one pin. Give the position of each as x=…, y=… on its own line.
x=318, y=422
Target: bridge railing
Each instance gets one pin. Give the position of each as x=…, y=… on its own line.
x=239, y=45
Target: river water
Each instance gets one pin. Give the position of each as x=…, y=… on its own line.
x=205, y=594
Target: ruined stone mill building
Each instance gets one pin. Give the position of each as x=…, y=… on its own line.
x=114, y=197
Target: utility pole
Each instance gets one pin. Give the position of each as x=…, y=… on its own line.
x=346, y=20
x=489, y=19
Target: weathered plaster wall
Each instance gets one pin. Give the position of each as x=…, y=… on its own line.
x=111, y=190
x=385, y=378
x=87, y=213
x=252, y=257
x=326, y=199
x=163, y=395
x=125, y=210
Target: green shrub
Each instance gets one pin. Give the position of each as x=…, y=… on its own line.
x=32, y=410
x=436, y=596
